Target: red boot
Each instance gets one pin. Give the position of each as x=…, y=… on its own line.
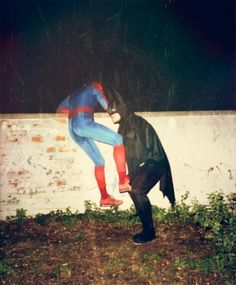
x=106, y=199
x=120, y=160
x=110, y=201
x=100, y=178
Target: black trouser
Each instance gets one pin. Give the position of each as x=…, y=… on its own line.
x=144, y=180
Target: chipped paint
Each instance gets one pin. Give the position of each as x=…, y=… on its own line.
x=38, y=138
x=51, y=149
x=42, y=169
x=62, y=121
x=60, y=138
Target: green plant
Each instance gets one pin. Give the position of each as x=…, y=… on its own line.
x=159, y=214
x=66, y=217
x=113, y=214
x=80, y=235
x=65, y=267
x=41, y=219
x=180, y=213
x=4, y=268
x=219, y=218
x=21, y=215
x=204, y=264
x=150, y=257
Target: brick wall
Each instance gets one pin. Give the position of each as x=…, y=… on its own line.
x=42, y=169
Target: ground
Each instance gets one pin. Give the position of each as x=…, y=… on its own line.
x=96, y=252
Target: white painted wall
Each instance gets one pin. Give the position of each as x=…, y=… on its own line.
x=42, y=169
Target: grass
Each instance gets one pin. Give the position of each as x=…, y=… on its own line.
x=216, y=222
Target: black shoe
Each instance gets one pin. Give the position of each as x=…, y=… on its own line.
x=143, y=237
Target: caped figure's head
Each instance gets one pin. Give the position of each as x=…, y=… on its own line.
x=117, y=108
x=114, y=111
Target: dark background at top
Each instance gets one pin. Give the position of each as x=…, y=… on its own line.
x=161, y=55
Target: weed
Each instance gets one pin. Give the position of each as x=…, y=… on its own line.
x=4, y=268
x=80, y=235
x=41, y=219
x=180, y=213
x=65, y=270
x=111, y=215
x=36, y=266
x=150, y=257
x=159, y=214
x=203, y=264
x=21, y=215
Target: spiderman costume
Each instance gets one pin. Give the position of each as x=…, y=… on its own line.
x=80, y=107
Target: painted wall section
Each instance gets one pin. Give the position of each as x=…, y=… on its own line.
x=42, y=169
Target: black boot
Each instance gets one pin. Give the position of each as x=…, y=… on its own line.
x=144, y=237
x=144, y=211
x=148, y=232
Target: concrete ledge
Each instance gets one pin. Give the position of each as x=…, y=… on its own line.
x=42, y=169
x=104, y=115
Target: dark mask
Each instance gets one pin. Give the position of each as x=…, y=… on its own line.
x=117, y=105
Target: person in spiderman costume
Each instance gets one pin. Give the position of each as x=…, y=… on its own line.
x=80, y=107
x=147, y=163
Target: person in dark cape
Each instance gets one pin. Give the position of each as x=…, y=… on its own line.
x=147, y=163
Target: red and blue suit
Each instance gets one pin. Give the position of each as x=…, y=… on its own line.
x=80, y=107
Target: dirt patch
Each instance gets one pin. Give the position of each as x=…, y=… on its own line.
x=93, y=252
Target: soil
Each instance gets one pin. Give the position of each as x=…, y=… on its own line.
x=100, y=253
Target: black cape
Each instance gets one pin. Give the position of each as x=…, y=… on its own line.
x=142, y=143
